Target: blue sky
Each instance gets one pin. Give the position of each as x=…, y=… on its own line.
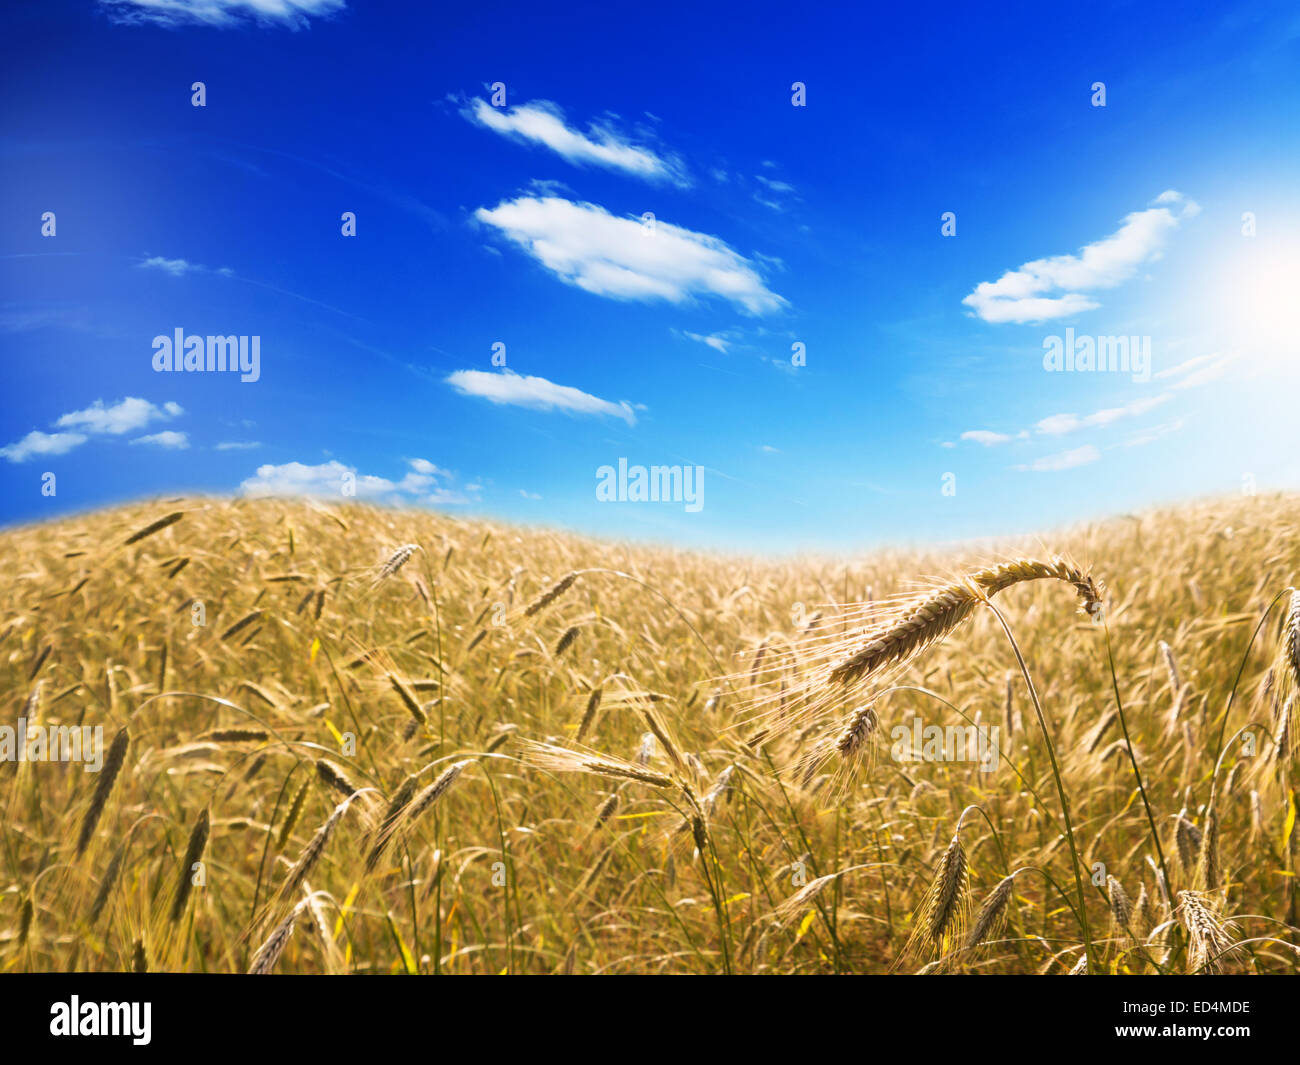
x=649, y=225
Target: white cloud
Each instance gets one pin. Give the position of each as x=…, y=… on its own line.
x=239, y=445
x=768, y=449
x=536, y=393
x=985, y=437
x=1154, y=433
x=327, y=480
x=528, y=495
x=124, y=417
x=168, y=438
x=1058, y=287
x=1212, y=371
x=427, y=468
x=623, y=258
x=291, y=13
x=1058, y=424
x=717, y=343
x=542, y=122
x=175, y=267
x=1065, y=460
x=38, y=443
x=181, y=267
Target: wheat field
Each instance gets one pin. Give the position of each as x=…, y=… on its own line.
x=349, y=739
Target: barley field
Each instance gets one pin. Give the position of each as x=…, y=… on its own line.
x=346, y=739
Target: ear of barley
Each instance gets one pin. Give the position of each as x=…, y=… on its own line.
x=106, y=884
x=720, y=792
x=550, y=595
x=240, y=625
x=1121, y=907
x=931, y=618
x=991, y=914
x=859, y=728
x=295, y=811
x=589, y=715
x=660, y=731
x=193, y=854
x=435, y=791
x=791, y=907
x=395, y=562
x=236, y=735
x=1207, y=861
x=332, y=775
x=566, y=641
x=1175, y=684
x=1291, y=638
x=943, y=909
x=139, y=958
x=1188, y=838
x=388, y=825
x=1210, y=938
x=606, y=811
x=1284, y=730
x=153, y=527
x=1144, y=916
x=1099, y=733
x=269, y=952
x=562, y=759
x=311, y=854
x=25, y=918
x=408, y=698
x=103, y=787
x=500, y=740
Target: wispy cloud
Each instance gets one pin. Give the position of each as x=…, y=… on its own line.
x=168, y=438
x=180, y=267
x=114, y=419
x=1064, y=460
x=625, y=258
x=1059, y=424
x=117, y=418
x=39, y=443
x=542, y=122
x=985, y=437
x=239, y=445
x=536, y=393
x=335, y=480
x=714, y=341
x=1060, y=286
x=1155, y=432
x=294, y=14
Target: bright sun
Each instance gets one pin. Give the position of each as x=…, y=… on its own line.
x=1261, y=293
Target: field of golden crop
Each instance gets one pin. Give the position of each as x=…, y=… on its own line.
x=315, y=765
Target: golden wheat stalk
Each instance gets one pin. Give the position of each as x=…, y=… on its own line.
x=193, y=855
x=1210, y=937
x=564, y=760
x=103, y=787
x=933, y=617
